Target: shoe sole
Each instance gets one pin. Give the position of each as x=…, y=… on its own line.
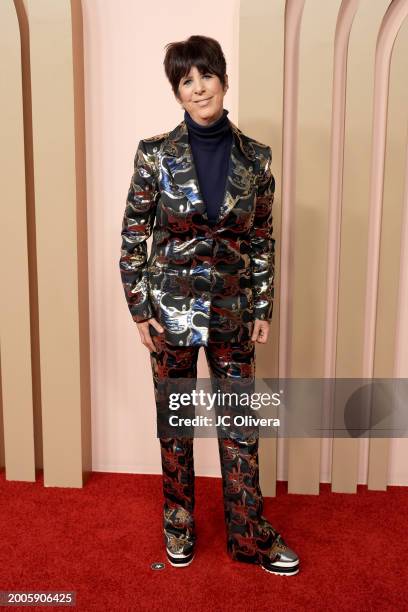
x=281, y=571
x=179, y=560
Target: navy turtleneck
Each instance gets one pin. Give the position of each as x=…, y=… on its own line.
x=211, y=148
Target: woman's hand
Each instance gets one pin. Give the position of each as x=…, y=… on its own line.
x=144, y=332
x=260, y=331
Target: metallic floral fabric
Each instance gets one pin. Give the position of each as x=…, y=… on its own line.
x=250, y=537
x=201, y=281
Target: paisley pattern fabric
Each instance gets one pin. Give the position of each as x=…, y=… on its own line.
x=201, y=282
x=250, y=537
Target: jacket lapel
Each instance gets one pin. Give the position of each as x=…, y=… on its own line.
x=179, y=162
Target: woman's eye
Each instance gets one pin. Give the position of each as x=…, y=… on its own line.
x=205, y=75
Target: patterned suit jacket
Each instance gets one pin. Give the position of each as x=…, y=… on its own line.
x=200, y=281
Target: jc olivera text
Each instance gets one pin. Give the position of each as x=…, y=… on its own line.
x=223, y=421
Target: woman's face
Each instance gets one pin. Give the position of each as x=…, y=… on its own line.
x=202, y=96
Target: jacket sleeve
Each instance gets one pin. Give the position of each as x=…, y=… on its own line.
x=262, y=250
x=137, y=225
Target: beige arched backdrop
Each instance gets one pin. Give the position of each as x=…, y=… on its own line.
x=17, y=441
x=322, y=83
x=45, y=314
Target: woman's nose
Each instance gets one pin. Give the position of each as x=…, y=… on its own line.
x=199, y=87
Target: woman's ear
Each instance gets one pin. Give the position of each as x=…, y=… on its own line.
x=226, y=85
x=178, y=100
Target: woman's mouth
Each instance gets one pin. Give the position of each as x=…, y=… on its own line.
x=203, y=102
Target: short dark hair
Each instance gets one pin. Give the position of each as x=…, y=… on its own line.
x=201, y=51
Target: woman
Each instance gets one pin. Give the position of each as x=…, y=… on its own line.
x=205, y=190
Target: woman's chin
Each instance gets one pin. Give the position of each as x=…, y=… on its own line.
x=209, y=113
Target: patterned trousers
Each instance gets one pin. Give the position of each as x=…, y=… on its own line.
x=249, y=535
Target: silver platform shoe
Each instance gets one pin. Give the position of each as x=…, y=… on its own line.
x=179, y=549
x=281, y=559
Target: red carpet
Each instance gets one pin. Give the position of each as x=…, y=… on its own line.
x=101, y=540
